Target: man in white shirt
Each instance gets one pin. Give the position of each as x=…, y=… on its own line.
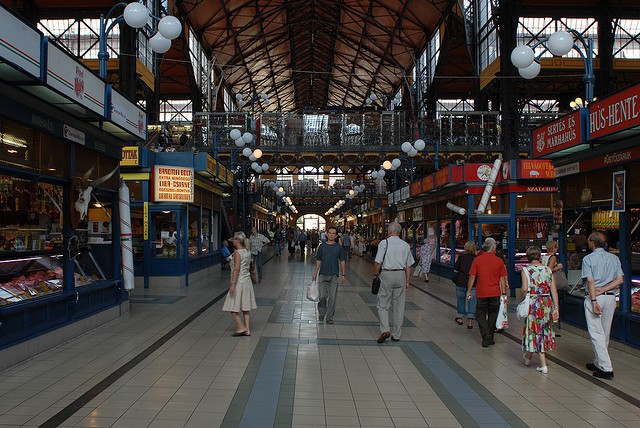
x=258, y=240
x=393, y=264
x=604, y=275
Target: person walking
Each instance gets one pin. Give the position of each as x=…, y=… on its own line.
x=491, y=275
x=330, y=260
x=604, y=275
x=466, y=308
x=277, y=242
x=315, y=239
x=425, y=259
x=302, y=242
x=240, y=297
x=346, y=243
x=258, y=240
x=537, y=331
x=392, y=264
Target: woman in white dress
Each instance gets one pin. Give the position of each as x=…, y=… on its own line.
x=240, y=296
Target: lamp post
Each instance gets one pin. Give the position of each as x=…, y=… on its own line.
x=559, y=43
x=136, y=15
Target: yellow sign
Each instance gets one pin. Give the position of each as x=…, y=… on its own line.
x=172, y=184
x=130, y=156
x=145, y=220
x=211, y=165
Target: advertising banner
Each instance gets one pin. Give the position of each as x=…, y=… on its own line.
x=565, y=132
x=614, y=113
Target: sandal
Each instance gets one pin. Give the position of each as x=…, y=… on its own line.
x=458, y=320
x=470, y=325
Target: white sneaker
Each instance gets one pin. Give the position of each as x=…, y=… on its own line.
x=543, y=369
x=527, y=361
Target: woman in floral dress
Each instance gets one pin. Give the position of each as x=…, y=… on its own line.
x=425, y=259
x=537, y=333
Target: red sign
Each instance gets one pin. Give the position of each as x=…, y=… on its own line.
x=427, y=183
x=416, y=188
x=442, y=176
x=557, y=135
x=536, y=169
x=611, y=159
x=614, y=113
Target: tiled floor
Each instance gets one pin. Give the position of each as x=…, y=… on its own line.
x=171, y=362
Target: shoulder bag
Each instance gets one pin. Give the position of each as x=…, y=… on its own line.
x=375, y=285
x=522, y=311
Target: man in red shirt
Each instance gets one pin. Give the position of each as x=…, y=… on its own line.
x=491, y=274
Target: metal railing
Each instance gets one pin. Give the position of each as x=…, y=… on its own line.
x=326, y=131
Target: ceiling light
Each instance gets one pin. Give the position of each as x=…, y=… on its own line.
x=10, y=140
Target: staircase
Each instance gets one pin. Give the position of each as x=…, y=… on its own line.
x=226, y=222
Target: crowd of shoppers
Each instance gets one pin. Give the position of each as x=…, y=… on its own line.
x=479, y=275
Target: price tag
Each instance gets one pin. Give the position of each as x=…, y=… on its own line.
x=539, y=235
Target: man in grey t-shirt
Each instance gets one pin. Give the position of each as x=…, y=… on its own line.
x=330, y=260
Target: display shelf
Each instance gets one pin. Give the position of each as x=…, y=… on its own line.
x=24, y=278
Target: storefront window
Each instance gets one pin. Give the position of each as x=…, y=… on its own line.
x=534, y=202
x=206, y=238
x=135, y=190
x=194, y=225
x=166, y=235
x=635, y=260
x=94, y=261
x=431, y=236
x=30, y=239
x=137, y=231
x=445, y=241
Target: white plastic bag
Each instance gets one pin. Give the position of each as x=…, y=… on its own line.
x=417, y=271
x=313, y=293
x=502, y=322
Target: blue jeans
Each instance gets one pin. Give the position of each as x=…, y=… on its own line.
x=463, y=303
x=257, y=258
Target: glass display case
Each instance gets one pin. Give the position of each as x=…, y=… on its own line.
x=166, y=236
x=24, y=278
x=635, y=259
x=445, y=246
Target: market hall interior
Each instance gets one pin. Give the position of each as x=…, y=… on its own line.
x=171, y=362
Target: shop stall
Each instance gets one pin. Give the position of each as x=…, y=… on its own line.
x=519, y=207
x=596, y=164
x=176, y=212
x=61, y=133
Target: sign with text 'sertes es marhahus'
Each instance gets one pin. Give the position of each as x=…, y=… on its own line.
x=172, y=184
x=560, y=134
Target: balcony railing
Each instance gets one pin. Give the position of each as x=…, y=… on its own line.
x=379, y=131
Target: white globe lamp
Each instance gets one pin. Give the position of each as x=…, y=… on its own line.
x=530, y=72
x=406, y=146
x=386, y=165
x=159, y=44
x=522, y=56
x=257, y=153
x=235, y=133
x=396, y=163
x=170, y=27
x=247, y=137
x=239, y=142
x=247, y=151
x=136, y=15
x=560, y=43
x=419, y=145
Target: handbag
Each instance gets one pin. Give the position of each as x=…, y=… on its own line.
x=313, y=293
x=253, y=271
x=502, y=322
x=417, y=271
x=375, y=285
x=522, y=310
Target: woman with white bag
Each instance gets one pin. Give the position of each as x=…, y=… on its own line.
x=537, y=333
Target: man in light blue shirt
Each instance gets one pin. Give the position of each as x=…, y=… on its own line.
x=603, y=273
